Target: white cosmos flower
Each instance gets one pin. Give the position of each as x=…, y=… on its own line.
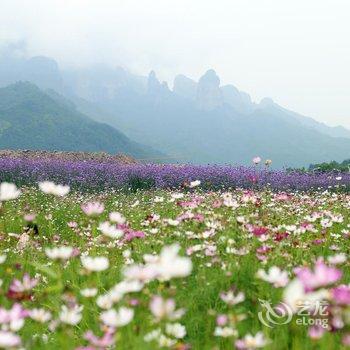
x=62, y=253
x=40, y=315
x=275, y=276
x=9, y=340
x=153, y=335
x=171, y=265
x=165, y=342
x=250, y=342
x=125, y=287
x=50, y=187
x=177, y=195
x=2, y=258
x=194, y=183
x=256, y=160
x=88, y=292
x=105, y=301
x=337, y=259
x=231, y=299
x=98, y=263
x=177, y=330
x=8, y=191
x=71, y=316
x=165, y=309
x=116, y=217
x=116, y=293
x=172, y=222
x=110, y=230
x=225, y=332
x=294, y=295
x=164, y=267
x=113, y=318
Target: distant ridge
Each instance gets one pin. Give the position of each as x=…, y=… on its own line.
x=31, y=119
x=198, y=122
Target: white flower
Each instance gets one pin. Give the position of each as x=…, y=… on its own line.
x=9, y=340
x=256, y=160
x=62, y=253
x=165, y=309
x=164, y=267
x=275, y=276
x=117, y=218
x=194, y=183
x=125, y=287
x=294, y=295
x=177, y=195
x=105, y=301
x=40, y=315
x=2, y=258
x=88, y=292
x=171, y=265
x=93, y=208
x=155, y=334
x=118, y=318
x=251, y=342
x=110, y=230
x=98, y=263
x=165, y=342
x=337, y=259
x=49, y=187
x=172, y=222
x=224, y=332
x=177, y=330
x=231, y=299
x=8, y=191
x=71, y=316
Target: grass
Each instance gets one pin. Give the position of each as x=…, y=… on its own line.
x=217, y=265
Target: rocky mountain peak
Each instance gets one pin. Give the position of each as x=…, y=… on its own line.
x=209, y=95
x=185, y=87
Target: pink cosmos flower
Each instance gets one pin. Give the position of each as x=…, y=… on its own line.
x=13, y=317
x=217, y=203
x=321, y=276
x=346, y=339
x=341, y=294
x=29, y=217
x=316, y=332
x=9, y=340
x=19, y=290
x=131, y=234
x=259, y=231
x=279, y=236
x=282, y=197
x=105, y=341
x=93, y=208
x=221, y=320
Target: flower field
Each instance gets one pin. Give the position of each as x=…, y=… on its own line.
x=172, y=257
x=92, y=175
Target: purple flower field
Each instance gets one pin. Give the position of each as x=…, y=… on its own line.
x=90, y=175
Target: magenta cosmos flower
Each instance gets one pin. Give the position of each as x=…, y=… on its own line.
x=321, y=276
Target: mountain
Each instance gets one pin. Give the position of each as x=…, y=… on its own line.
x=206, y=123
x=33, y=119
x=198, y=122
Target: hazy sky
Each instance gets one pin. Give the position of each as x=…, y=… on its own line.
x=294, y=51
